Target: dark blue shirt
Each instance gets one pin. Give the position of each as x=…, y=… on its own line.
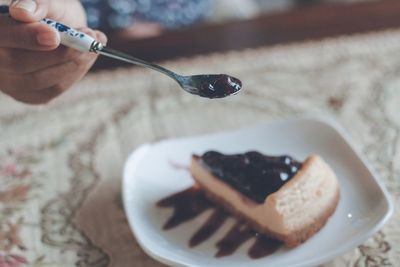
x=109, y=15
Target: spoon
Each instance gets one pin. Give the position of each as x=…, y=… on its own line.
x=206, y=85
x=210, y=85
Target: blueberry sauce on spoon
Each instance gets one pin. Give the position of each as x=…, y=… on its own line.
x=213, y=85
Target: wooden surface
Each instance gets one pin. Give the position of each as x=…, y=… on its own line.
x=305, y=23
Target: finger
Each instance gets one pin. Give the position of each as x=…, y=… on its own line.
x=101, y=37
x=32, y=36
x=42, y=95
x=76, y=70
x=66, y=74
x=36, y=98
x=32, y=11
x=19, y=61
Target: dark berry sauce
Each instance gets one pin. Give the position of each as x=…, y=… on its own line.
x=192, y=202
x=216, y=86
x=187, y=205
x=253, y=174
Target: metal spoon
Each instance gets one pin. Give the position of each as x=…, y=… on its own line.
x=210, y=85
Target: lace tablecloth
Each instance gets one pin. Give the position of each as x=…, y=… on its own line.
x=61, y=164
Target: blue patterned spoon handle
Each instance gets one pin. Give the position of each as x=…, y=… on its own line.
x=73, y=38
x=69, y=36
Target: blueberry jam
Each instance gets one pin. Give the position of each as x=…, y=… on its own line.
x=253, y=174
x=216, y=86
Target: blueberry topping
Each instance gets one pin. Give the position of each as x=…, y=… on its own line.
x=253, y=174
x=217, y=86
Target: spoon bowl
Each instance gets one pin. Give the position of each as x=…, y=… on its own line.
x=210, y=85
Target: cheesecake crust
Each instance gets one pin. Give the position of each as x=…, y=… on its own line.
x=291, y=240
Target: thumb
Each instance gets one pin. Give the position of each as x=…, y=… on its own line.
x=32, y=11
x=31, y=36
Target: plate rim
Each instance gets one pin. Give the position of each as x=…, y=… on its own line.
x=133, y=159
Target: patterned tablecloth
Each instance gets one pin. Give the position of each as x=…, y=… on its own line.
x=61, y=164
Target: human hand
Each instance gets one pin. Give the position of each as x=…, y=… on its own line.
x=34, y=68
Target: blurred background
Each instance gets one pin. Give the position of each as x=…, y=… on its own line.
x=113, y=15
x=160, y=30
x=226, y=10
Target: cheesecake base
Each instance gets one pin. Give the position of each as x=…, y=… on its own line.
x=290, y=240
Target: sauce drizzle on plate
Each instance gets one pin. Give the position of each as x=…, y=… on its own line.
x=192, y=202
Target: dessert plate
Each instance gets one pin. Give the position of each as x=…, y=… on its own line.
x=155, y=171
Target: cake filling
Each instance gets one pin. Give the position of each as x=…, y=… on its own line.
x=253, y=174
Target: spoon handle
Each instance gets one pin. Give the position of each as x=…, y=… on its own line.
x=69, y=37
x=85, y=43
x=108, y=52
x=72, y=38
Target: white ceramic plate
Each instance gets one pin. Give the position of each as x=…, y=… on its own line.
x=363, y=208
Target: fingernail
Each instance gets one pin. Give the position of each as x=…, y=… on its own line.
x=27, y=5
x=101, y=37
x=47, y=39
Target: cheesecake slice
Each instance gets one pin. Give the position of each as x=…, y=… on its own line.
x=278, y=196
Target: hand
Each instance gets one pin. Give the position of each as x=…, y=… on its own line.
x=34, y=68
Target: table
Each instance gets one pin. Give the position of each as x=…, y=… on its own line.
x=61, y=164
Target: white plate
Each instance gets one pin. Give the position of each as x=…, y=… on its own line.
x=363, y=208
